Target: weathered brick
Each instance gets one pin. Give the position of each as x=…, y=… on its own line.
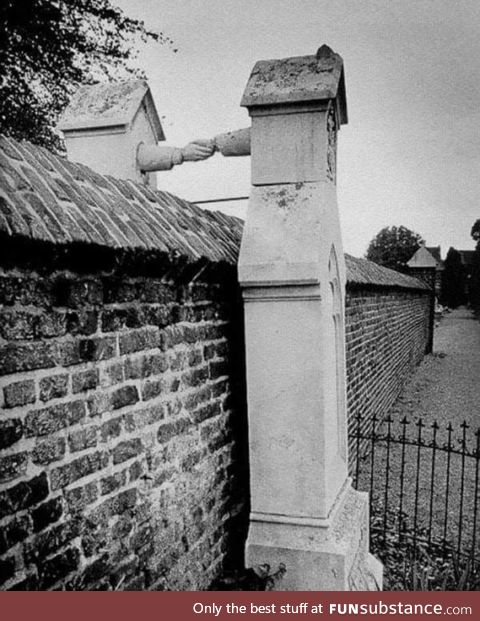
x=45, y=543
x=191, y=460
x=77, y=469
x=51, y=324
x=113, y=482
x=82, y=439
x=146, y=416
x=220, y=387
x=195, y=357
x=121, y=397
x=122, y=527
x=207, y=411
x=146, y=338
x=48, y=450
x=98, y=404
x=23, y=495
x=95, y=577
x=117, y=290
x=124, y=501
x=85, y=380
x=14, y=532
x=160, y=316
x=17, y=325
x=81, y=322
x=156, y=292
x=197, y=397
x=13, y=466
x=95, y=534
x=195, y=377
x=111, y=429
x=111, y=374
x=53, y=387
x=57, y=567
x=135, y=471
x=53, y=418
x=114, y=319
x=23, y=291
x=164, y=475
x=11, y=430
x=46, y=514
x=171, y=429
x=67, y=352
x=152, y=389
x=98, y=348
x=126, y=450
x=80, y=497
x=26, y=357
x=19, y=393
x=78, y=293
x=145, y=365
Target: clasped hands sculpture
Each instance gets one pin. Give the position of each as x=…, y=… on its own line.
x=155, y=157
x=230, y=144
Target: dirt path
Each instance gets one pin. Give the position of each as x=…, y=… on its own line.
x=446, y=387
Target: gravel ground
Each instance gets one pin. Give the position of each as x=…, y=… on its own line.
x=446, y=389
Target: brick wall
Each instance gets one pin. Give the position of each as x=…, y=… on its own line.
x=123, y=459
x=388, y=331
x=123, y=452
x=118, y=465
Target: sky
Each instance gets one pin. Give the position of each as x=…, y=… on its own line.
x=410, y=154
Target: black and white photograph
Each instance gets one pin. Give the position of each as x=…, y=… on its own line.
x=240, y=296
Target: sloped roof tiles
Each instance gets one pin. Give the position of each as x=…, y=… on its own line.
x=45, y=197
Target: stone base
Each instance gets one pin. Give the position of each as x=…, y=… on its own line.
x=319, y=555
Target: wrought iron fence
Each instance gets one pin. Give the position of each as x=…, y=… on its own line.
x=423, y=480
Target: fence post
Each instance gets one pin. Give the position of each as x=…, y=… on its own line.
x=304, y=511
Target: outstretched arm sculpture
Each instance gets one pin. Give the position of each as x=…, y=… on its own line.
x=152, y=158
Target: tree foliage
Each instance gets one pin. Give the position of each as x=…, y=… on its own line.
x=48, y=48
x=474, y=283
x=393, y=246
x=453, y=280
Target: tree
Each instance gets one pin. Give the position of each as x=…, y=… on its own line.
x=48, y=48
x=393, y=246
x=453, y=280
x=474, y=283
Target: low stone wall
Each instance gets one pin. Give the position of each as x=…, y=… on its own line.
x=123, y=435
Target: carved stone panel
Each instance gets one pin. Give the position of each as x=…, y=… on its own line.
x=331, y=144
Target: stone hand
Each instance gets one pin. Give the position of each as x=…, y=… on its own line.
x=198, y=150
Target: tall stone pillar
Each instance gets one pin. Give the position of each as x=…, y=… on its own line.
x=304, y=512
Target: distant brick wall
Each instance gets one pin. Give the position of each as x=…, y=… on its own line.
x=388, y=331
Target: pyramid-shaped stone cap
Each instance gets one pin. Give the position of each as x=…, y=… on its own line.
x=108, y=105
x=298, y=79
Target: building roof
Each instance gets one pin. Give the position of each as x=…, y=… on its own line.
x=436, y=253
x=108, y=105
x=298, y=79
x=44, y=197
x=423, y=258
x=467, y=256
